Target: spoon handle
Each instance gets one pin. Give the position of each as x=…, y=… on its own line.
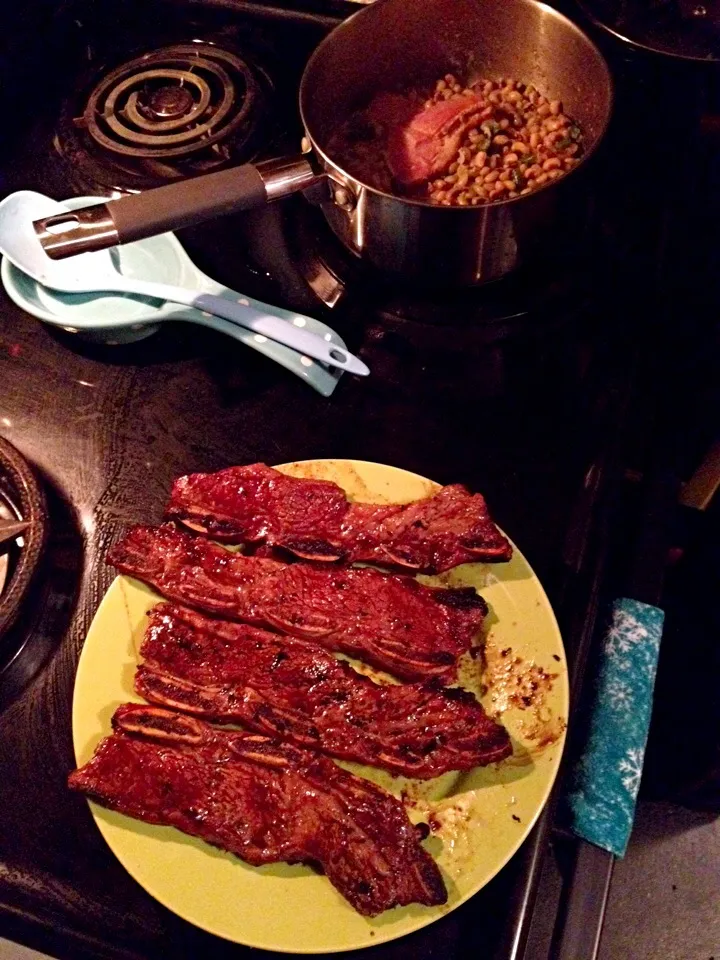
x=260, y=322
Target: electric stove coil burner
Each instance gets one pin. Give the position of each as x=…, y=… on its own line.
x=172, y=102
x=177, y=111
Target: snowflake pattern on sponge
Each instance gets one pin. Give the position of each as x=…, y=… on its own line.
x=607, y=777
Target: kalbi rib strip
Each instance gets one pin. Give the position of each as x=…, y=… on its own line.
x=233, y=673
x=314, y=520
x=391, y=622
x=265, y=801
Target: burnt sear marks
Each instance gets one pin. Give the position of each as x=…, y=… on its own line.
x=391, y=622
x=233, y=673
x=264, y=801
x=314, y=520
x=463, y=598
x=258, y=505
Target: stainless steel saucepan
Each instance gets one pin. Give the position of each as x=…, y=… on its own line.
x=390, y=44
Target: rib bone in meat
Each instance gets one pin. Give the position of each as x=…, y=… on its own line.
x=264, y=801
x=314, y=520
x=234, y=673
x=392, y=622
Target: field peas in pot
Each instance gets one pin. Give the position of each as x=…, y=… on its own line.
x=438, y=134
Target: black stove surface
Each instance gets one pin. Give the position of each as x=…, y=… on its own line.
x=518, y=389
x=677, y=28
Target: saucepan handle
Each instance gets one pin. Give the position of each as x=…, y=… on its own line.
x=171, y=207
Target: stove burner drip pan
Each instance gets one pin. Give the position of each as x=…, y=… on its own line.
x=20, y=499
x=174, y=112
x=172, y=102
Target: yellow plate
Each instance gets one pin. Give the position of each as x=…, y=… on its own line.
x=480, y=817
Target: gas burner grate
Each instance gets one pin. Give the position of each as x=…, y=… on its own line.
x=175, y=111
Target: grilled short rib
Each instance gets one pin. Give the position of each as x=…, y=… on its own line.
x=264, y=801
x=314, y=520
x=234, y=673
x=391, y=622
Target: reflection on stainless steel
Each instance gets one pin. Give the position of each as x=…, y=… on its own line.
x=87, y=229
x=418, y=42
x=287, y=175
x=11, y=529
x=323, y=282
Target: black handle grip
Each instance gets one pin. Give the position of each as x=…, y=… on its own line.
x=187, y=202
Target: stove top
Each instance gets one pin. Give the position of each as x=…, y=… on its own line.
x=535, y=389
x=157, y=99
x=686, y=29
x=160, y=99
x=175, y=111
